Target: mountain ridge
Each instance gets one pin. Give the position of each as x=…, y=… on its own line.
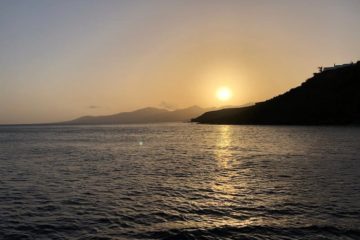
x=143, y=115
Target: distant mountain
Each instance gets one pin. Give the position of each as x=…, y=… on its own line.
x=331, y=96
x=144, y=115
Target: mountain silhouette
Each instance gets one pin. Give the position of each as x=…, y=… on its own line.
x=144, y=115
x=331, y=96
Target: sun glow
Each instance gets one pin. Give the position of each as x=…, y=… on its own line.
x=223, y=94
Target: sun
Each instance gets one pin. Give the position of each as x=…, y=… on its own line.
x=223, y=94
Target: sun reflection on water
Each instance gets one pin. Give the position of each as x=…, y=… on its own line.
x=223, y=184
x=223, y=143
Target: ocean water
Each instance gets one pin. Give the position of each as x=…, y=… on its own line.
x=179, y=181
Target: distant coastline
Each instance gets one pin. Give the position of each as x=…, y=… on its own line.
x=140, y=116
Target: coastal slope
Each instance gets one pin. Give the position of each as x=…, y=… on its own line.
x=331, y=96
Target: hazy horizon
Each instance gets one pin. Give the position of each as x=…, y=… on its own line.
x=61, y=60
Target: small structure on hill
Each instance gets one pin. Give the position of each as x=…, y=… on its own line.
x=324, y=69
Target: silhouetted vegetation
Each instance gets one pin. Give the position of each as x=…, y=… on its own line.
x=329, y=97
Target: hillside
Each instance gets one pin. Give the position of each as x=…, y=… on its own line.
x=329, y=97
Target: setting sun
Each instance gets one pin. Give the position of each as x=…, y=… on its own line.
x=223, y=94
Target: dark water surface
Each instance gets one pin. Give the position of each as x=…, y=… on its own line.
x=179, y=181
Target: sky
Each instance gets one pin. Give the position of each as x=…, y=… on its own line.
x=63, y=59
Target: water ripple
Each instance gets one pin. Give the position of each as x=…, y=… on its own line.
x=185, y=181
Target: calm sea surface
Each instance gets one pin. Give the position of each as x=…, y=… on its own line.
x=179, y=181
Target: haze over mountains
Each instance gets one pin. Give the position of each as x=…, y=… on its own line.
x=331, y=96
x=144, y=115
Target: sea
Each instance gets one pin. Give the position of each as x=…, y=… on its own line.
x=179, y=181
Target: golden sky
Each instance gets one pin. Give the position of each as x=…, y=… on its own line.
x=63, y=59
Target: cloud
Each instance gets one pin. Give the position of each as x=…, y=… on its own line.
x=94, y=107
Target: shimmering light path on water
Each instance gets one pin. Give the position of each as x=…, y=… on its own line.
x=179, y=181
